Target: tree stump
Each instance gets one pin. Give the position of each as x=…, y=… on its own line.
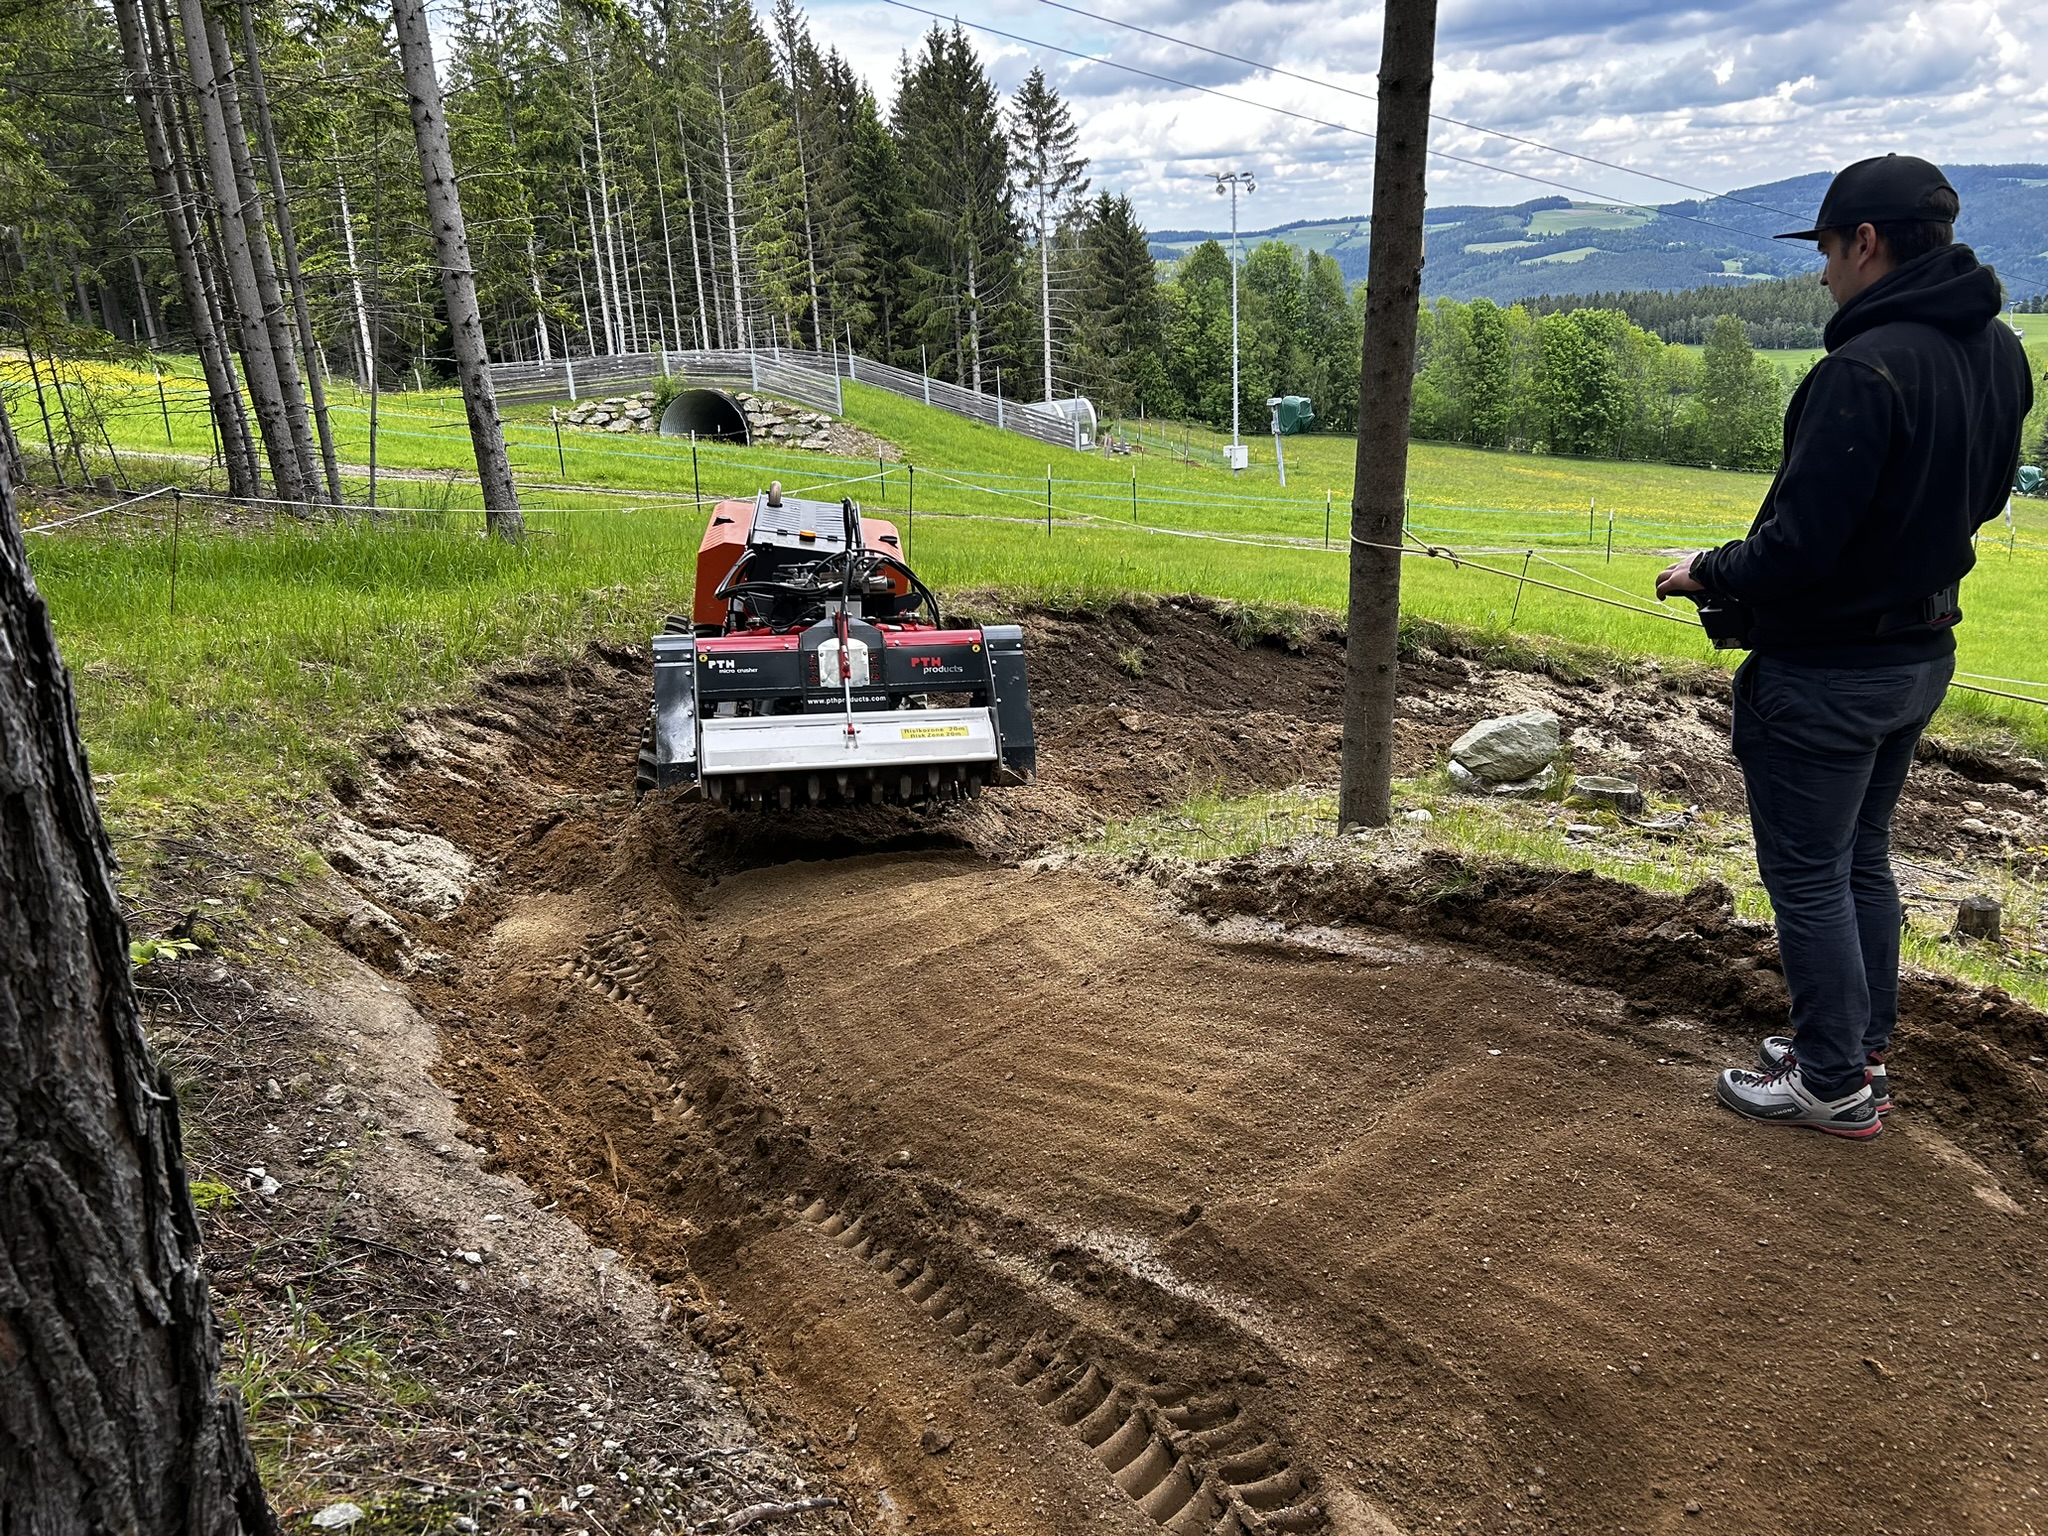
x=1977, y=918
x=110, y=1415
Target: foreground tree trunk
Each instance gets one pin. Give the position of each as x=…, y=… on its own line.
x=111, y=1418
x=1386, y=389
x=458, y=280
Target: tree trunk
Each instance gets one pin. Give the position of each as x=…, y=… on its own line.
x=742, y=322
x=266, y=137
x=604, y=313
x=355, y=272
x=1386, y=388
x=259, y=363
x=13, y=465
x=668, y=255
x=696, y=259
x=111, y=1418
x=291, y=386
x=166, y=170
x=458, y=280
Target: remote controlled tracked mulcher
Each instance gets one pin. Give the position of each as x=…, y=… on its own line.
x=815, y=669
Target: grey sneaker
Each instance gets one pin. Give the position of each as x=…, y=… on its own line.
x=1776, y=1052
x=1780, y=1098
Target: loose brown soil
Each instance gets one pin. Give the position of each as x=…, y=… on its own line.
x=1312, y=1192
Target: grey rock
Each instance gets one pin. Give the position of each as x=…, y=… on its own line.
x=371, y=934
x=1509, y=748
x=414, y=870
x=1609, y=790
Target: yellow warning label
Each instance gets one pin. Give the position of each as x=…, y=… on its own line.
x=927, y=732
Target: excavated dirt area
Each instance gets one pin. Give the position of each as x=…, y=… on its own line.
x=1342, y=1189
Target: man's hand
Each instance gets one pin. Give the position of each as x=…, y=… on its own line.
x=1677, y=577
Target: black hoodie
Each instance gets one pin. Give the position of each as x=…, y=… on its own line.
x=1899, y=445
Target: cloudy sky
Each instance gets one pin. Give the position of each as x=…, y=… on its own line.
x=1718, y=96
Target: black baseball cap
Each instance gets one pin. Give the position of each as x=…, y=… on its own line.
x=1885, y=190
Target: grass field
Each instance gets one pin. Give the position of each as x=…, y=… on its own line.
x=292, y=641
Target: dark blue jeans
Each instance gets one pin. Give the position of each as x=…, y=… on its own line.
x=1824, y=754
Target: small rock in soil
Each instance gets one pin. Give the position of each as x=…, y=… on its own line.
x=932, y=1443
x=338, y=1517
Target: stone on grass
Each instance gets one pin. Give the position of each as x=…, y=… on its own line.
x=1509, y=749
x=1610, y=790
x=338, y=1517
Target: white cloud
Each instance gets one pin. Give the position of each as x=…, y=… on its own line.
x=1719, y=97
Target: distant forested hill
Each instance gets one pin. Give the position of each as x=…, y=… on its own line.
x=1559, y=247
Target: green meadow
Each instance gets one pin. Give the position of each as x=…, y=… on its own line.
x=295, y=638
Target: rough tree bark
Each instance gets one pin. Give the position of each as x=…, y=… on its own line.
x=458, y=280
x=1385, y=392
x=260, y=365
x=146, y=76
x=288, y=240
x=110, y=1414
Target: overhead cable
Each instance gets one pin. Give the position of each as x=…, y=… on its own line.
x=1324, y=122
x=1438, y=117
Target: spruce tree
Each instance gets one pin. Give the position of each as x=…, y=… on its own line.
x=1049, y=178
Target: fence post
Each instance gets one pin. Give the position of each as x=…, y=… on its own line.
x=1610, y=538
x=1590, y=501
x=1519, y=582
x=162, y=404
x=849, y=353
x=1048, y=501
x=177, y=525
x=1329, y=496
x=561, y=463
x=882, y=474
x=754, y=369
x=569, y=363
x=1134, y=493
x=999, y=398
x=924, y=355
x=696, y=485
x=838, y=391
x=910, y=533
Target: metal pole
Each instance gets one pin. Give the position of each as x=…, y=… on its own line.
x=555, y=416
x=882, y=474
x=1329, y=497
x=925, y=363
x=177, y=523
x=696, y=485
x=1590, y=500
x=1233, y=323
x=1520, y=581
x=161, y=403
x=1048, y=501
x=1610, y=538
x=910, y=533
x=1134, y=493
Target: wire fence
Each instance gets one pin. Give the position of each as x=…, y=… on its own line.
x=1039, y=506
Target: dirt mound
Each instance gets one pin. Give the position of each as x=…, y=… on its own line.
x=1384, y=1201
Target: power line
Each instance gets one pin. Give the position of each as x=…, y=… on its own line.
x=1324, y=122
x=1437, y=117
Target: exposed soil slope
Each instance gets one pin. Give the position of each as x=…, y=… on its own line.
x=1050, y=1207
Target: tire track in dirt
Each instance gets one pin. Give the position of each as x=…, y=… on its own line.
x=1177, y=1167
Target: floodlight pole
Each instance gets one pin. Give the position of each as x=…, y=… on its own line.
x=1234, y=180
x=1386, y=388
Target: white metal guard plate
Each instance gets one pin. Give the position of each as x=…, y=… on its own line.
x=885, y=739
